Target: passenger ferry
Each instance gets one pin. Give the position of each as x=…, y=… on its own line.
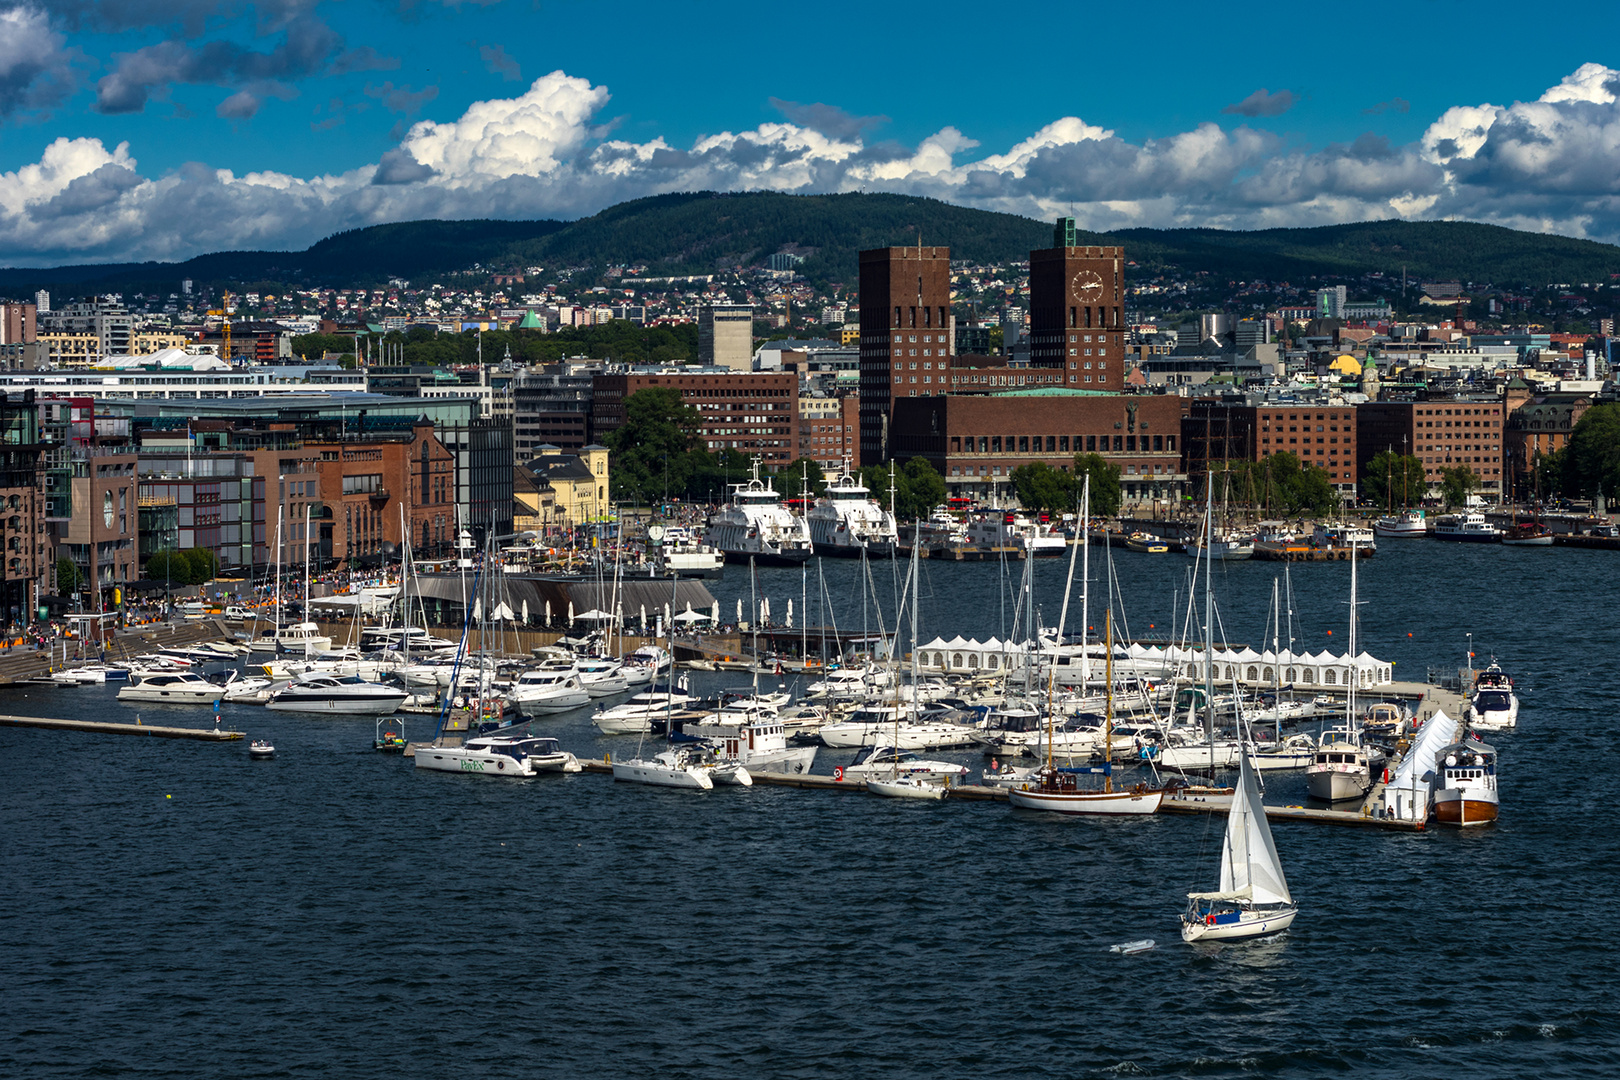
x=847, y=520
x=1470, y=526
x=757, y=526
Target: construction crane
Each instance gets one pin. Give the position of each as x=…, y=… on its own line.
x=224, y=312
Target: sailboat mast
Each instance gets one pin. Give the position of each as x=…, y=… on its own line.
x=1108, y=701
x=1209, y=620
x=1085, y=586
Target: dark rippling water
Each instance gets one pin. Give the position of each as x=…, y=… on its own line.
x=174, y=909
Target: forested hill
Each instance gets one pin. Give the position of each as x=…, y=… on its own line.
x=706, y=231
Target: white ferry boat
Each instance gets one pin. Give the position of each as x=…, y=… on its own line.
x=847, y=520
x=1471, y=527
x=757, y=526
x=1402, y=526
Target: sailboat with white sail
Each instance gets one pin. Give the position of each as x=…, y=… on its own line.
x=1253, y=899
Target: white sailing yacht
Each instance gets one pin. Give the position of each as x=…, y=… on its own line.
x=1253, y=898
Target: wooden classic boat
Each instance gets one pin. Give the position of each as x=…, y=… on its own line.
x=1466, y=792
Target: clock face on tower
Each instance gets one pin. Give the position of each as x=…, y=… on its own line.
x=1088, y=286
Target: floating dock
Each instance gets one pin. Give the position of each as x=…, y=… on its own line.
x=101, y=727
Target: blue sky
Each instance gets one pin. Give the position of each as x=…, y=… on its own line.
x=162, y=128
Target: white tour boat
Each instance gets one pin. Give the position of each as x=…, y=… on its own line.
x=1403, y=526
x=1009, y=530
x=1469, y=527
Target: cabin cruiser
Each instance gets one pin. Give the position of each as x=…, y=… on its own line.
x=847, y=684
x=336, y=662
x=499, y=755
x=757, y=526
x=1470, y=527
x=646, y=664
x=172, y=688
x=687, y=557
x=1494, y=706
x=302, y=639
x=549, y=690
x=874, y=724
x=681, y=767
x=885, y=761
x=1343, y=768
x=1465, y=793
x=754, y=739
x=601, y=676
x=638, y=713
x=1402, y=526
x=403, y=638
x=324, y=693
x=1010, y=530
x=848, y=521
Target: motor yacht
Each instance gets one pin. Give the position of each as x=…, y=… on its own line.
x=549, y=690
x=874, y=724
x=1402, y=526
x=885, y=762
x=638, y=713
x=171, y=688
x=318, y=692
x=1494, y=706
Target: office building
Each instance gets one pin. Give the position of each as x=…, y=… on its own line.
x=906, y=338
x=753, y=413
x=726, y=336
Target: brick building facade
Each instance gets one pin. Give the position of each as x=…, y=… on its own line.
x=1442, y=433
x=1319, y=435
x=753, y=413
x=906, y=335
x=1076, y=311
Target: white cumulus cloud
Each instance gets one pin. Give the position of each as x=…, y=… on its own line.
x=1551, y=164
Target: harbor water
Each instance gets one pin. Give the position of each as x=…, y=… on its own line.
x=175, y=909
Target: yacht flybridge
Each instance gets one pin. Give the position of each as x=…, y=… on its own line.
x=847, y=521
x=757, y=526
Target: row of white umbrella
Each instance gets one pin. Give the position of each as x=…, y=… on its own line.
x=504, y=613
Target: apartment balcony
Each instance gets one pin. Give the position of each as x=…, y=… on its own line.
x=379, y=496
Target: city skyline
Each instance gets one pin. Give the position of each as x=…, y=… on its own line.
x=161, y=129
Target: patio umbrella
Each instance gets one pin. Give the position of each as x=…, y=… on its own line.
x=790, y=615
x=739, y=611
x=478, y=609
x=643, y=618
x=666, y=614
x=525, y=612
x=548, y=612
x=570, y=613
x=502, y=612
x=716, y=615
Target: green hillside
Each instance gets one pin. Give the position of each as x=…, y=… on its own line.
x=707, y=231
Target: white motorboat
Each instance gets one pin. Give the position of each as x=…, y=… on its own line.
x=876, y=724
x=499, y=755
x=1403, y=526
x=1470, y=527
x=680, y=768
x=1494, y=706
x=549, y=690
x=757, y=526
x=1253, y=899
x=171, y=688
x=689, y=558
x=638, y=713
x=253, y=689
x=649, y=660
x=1295, y=752
x=905, y=787
x=1228, y=546
x=260, y=749
x=601, y=676
x=1344, y=534
x=1010, y=530
x=1465, y=792
x=1343, y=767
x=886, y=761
x=300, y=639
x=847, y=521
x=849, y=684
x=1008, y=776
x=403, y=638
x=754, y=739
x=318, y=692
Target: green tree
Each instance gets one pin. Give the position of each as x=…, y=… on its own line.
x=68, y=578
x=1105, y=496
x=657, y=448
x=170, y=566
x=1591, y=459
x=314, y=346
x=918, y=487
x=1392, y=479
x=789, y=478
x=1456, y=481
x=1041, y=487
x=204, y=565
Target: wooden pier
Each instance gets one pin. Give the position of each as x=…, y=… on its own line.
x=102, y=727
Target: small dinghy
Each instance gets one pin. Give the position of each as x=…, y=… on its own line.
x=1130, y=948
x=261, y=749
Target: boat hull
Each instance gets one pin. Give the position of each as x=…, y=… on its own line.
x=648, y=772
x=1528, y=541
x=357, y=706
x=1464, y=808
x=903, y=789
x=874, y=549
x=1337, y=785
x=789, y=557
x=1250, y=924
x=1115, y=803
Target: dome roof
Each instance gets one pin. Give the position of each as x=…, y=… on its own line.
x=1345, y=365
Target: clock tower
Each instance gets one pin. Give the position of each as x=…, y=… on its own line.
x=1077, y=311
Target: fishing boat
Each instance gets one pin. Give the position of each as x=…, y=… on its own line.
x=847, y=521
x=318, y=692
x=1493, y=706
x=1253, y=899
x=756, y=525
x=515, y=756
x=1465, y=792
x=755, y=739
